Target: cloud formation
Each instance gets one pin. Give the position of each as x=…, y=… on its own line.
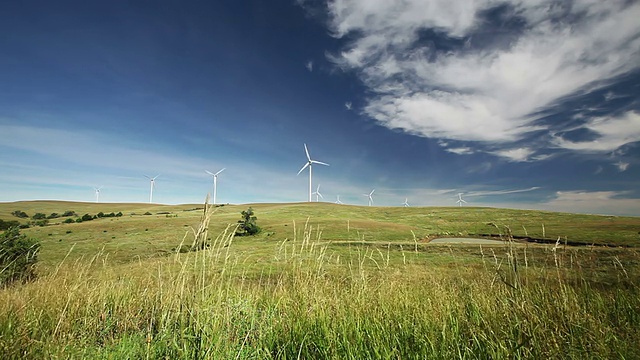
x=446, y=69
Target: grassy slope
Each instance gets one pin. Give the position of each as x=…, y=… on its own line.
x=143, y=235
x=275, y=296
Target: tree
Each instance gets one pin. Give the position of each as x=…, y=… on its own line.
x=18, y=256
x=248, y=224
x=20, y=214
x=39, y=216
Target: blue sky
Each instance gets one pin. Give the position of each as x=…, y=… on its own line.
x=521, y=104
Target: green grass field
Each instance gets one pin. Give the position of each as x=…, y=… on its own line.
x=324, y=281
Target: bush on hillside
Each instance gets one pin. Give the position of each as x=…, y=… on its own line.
x=20, y=214
x=248, y=224
x=68, y=213
x=53, y=216
x=4, y=225
x=39, y=216
x=18, y=256
x=86, y=217
x=69, y=221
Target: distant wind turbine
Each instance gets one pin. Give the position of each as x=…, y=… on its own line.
x=406, y=202
x=317, y=194
x=338, y=200
x=370, y=196
x=460, y=201
x=215, y=182
x=98, y=193
x=309, y=165
x=153, y=182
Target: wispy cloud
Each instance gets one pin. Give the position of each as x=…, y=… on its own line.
x=611, y=132
x=460, y=150
x=486, y=92
x=595, y=202
x=309, y=65
x=622, y=166
x=515, y=155
x=500, y=192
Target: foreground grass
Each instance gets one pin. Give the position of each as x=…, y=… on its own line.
x=308, y=299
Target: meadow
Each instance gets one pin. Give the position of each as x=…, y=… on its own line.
x=324, y=281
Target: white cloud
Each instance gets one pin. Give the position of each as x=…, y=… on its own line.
x=484, y=95
x=500, y=192
x=515, y=155
x=613, y=132
x=460, y=150
x=594, y=202
x=348, y=105
x=622, y=166
x=309, y=65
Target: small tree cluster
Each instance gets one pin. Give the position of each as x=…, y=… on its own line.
x=4, y=225
x=20, y=214
x=18, y=256
x=248, y=224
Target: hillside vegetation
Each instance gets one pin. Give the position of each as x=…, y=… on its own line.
x=323, y=281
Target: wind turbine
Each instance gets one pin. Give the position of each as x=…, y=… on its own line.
x=338, y=201
x=215, y=182
x=406, y=202
x=98, y=193
x=308, y=164
x=153, y=182
x=460, y=201
x=317, y=194
x=370, y=196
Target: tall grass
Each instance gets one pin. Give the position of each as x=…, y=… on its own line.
x=308, y=300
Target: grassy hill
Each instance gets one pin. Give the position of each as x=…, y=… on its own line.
x=323, y=281
x=136, y=234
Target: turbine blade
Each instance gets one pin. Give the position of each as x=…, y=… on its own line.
x=220, y=171
x=209, y=172
x=372, y=191
x=307, y=152
x=304, y=167
x=319, y=162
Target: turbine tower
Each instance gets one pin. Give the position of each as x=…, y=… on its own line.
x=406, y=202
x=98, y=193
x=338, y=200
x=460, y=201
x=215, y=182
x=317, y=194
x=369, y=195
x=308, y=164
x=153, y=182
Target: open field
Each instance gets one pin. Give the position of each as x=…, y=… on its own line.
x=324, y=281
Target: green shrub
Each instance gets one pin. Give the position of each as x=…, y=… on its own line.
x=4, y=225
x=86, y=217
x=41, y=222
x=147, y=213
x=119, y=214
x=100, y=214
x=53, y=216
x=20, y=214
x=69, y=213
x=248, y=224
x=39, y=216
x=18, y=256
x=69, y=221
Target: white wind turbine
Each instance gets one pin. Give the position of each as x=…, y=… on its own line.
x=338, y=200
x=370, y=196
x=317, y=194
x=153, y=183
x=460, y=201
x=308, y=164
x=406, y=202
x=98, y=193
x=215, y=182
